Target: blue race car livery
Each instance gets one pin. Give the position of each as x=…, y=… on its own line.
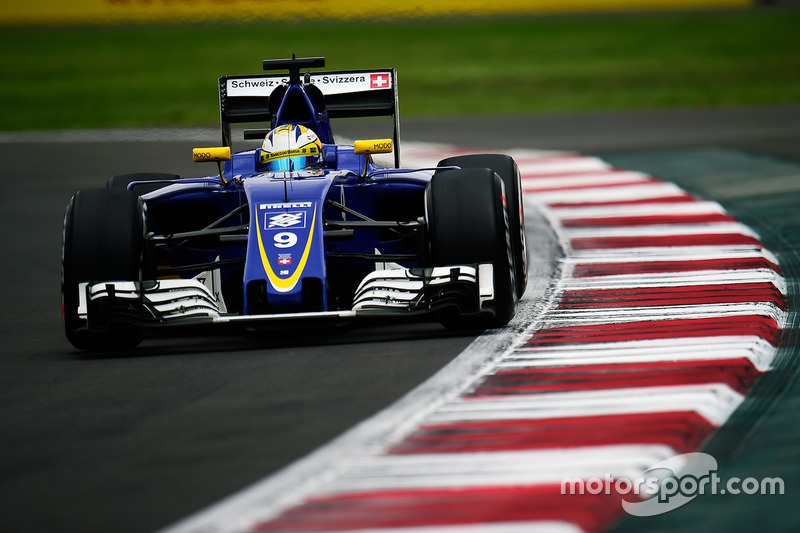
x=295, y=232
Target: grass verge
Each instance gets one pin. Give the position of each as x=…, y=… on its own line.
x=166, y=75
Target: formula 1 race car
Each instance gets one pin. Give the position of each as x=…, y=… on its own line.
x=299, y=229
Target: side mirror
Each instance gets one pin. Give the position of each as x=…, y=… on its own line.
x=375, y=146
x=218, y=155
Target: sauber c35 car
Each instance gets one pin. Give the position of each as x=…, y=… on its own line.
x=300, y=229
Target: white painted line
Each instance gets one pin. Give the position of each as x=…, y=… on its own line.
x=661, y=230
x=566, y=165
x=682, y=208
x=491, y=469
x=714, y=401
x=580, y=317
x=669, y=253
x=643, y=191
x=678, y=279
x=533, y=183
x=751, y=347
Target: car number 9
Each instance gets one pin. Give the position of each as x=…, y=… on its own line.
x=285, y=239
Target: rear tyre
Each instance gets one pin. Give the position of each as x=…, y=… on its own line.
x=103, y=240
x=468, y=224
x=507, y=169
x=123, y=180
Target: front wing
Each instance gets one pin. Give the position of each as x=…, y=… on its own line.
x=399, y=291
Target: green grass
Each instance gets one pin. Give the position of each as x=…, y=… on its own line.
x=166, y=75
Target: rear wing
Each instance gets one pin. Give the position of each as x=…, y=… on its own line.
x=353, y=93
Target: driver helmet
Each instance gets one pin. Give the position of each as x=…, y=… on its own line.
x=290, y=147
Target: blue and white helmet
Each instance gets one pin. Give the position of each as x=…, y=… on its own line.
x=290, y=147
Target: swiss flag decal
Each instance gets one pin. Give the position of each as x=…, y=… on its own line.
x=379, y=81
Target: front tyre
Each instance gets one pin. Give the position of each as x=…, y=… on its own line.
x=103, y=240
x=507, y=169
x=468, y=224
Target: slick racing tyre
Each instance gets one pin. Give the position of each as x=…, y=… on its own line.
x=103, y=240
x=507, y=169
x=468, y=224
x=123, y=180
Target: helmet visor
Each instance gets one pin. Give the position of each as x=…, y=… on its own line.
x=287, y=164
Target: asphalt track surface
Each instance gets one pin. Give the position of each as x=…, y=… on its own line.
x=136, y=441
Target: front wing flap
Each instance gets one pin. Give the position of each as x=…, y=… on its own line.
x=164, y=303
x=426, y=289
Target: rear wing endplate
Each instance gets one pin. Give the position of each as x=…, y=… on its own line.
x=353, y=93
